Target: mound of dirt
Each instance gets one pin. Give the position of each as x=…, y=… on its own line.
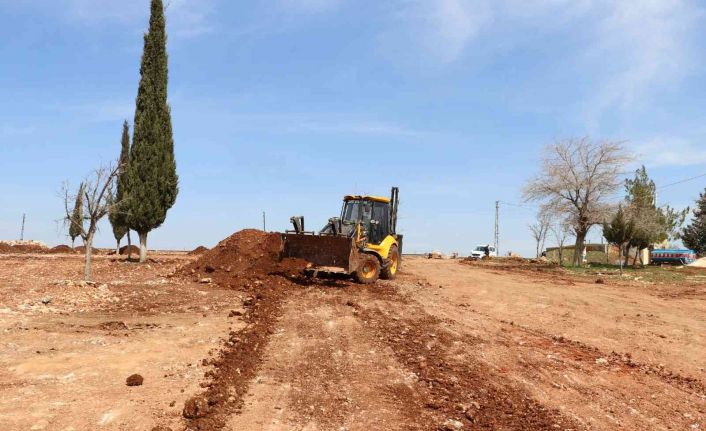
x=131, y=248
x=248, y=253
x=62, y=248
x=20, y=248
x=198, y=250
x=82, y=249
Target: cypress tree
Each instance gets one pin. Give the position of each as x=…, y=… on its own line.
x=118, y=216
x=151, y=176
x=76, y=221
x=694, y=235
x=619, y=231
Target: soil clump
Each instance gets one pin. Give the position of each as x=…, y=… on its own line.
x=134, y=380
x=198, y=250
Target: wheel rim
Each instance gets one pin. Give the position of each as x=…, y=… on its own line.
x=393, y=266
x=368, y=270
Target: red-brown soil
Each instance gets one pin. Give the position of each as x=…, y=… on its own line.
x=63, y=248
x=198, y=250
x=445, y=346
x=22, y=248
x=133, y=249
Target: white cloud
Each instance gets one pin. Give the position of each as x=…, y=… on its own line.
x=671, y=152
x=614, y=58
x=442, y=28
x=641, y=46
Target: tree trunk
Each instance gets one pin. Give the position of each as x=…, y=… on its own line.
x=129, y=246
x=89, y=251
x=578, y=248
x=73, y=240
x=627, y=255
x=143, y=246
x=620, y=258
x=117, y=248
x=561, y=255
x=637, y=256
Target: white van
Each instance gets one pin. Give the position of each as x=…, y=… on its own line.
x=482, y=250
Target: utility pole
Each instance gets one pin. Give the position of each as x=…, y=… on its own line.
x=22, y=232
x=264, y=222
x=497, y=221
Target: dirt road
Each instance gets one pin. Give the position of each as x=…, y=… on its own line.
x=444, y=346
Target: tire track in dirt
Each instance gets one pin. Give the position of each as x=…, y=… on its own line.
x=601, y=390
x=327, y=358
x=463, y=393
x=323, y=370
x=236, y=364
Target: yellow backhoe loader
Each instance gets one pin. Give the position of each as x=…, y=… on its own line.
x=363, y=241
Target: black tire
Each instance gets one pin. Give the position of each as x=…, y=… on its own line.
x=390, y=271
x=368, y=270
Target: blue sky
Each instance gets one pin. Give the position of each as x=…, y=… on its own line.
x=283, y=106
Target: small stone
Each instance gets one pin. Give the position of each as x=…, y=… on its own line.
x=46, y=300
x=601, y=361
x=206, y=280
x=452, y=425
x=134, y=380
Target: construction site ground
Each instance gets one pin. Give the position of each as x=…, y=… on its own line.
x=446, y=345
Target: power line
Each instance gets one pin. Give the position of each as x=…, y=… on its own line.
x=681, y=181
x=529, y=206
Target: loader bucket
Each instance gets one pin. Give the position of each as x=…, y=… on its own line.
x=321, y=250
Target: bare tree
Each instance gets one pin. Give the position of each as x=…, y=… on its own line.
x=561, y=232
x=539, y=230
x=578, y=177
x=96, y=189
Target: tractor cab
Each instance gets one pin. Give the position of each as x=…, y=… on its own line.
x=371, y=213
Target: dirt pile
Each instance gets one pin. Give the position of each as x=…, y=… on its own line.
x=21, y=247
x=82, y=249
x=246, y=254
x=512, y=263
x=61, y=249
x=133, y=249
x=198, y=250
